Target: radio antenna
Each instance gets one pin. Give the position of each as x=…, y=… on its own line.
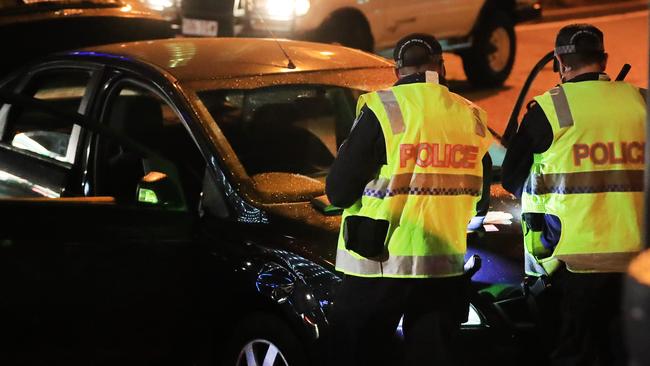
x=290, y=64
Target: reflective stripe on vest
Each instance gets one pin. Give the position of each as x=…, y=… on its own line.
x=591, y=177
x=402, y=266
x=393, y=110
x=425, y=184
x=435, y=141
x=561, y=105
x=585, y=182
x=597, y=262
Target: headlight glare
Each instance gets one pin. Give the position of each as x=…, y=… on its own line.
x=285, y=9
x=302, y=7
x=159, y=5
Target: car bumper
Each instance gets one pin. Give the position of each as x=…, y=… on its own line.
x=225, y=24
x=250, y=27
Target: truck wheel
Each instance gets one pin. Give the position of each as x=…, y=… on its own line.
x=263, y=339
x=489, y=62
x=347, y=29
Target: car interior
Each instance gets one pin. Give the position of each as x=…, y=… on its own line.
x=277, y=140
x=269, y=130
x=36, y=130
x=147, y=119
x=26, y=131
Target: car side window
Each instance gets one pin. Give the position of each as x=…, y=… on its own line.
x=40, y=132
x=148, y=119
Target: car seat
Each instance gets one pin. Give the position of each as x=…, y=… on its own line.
x=140, y=118
x=276, y=144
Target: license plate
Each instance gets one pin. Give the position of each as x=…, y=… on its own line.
x=198, y=27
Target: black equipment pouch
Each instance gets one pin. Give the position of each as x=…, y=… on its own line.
x=365, y=236
x=534, y=221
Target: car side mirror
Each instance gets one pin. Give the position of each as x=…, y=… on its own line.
x=159, y=189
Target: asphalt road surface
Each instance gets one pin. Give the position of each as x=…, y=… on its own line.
x=626, y=41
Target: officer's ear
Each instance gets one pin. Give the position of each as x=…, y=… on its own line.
x=561, y=67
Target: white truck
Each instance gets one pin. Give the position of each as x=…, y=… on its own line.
x=480, y=31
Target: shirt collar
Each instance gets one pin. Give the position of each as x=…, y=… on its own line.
x=412, y=79
x=590, y=76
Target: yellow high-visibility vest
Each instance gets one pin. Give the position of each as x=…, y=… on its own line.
x=429, y=187
x=591, y=178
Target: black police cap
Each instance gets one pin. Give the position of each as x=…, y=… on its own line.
x=416, y=49
x=579, y=38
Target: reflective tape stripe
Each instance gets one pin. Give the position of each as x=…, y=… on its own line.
x=563, y=50
x=597, y=262
x=401, y=266
x=561, y=105
x=425, y=184
x=393, y=110
x=585, y=182
x=532, y=266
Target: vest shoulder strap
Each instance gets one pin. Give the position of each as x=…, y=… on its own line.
x=561, y=105
x=393, y=110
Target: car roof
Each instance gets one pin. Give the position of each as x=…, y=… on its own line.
x=198, y=59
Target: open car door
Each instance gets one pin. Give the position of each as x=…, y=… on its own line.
x=89, y=279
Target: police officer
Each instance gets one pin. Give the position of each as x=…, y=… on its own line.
x=409, y=177
x=577, y=163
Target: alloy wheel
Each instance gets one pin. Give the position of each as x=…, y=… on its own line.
x=260, y=352
x=500, y=40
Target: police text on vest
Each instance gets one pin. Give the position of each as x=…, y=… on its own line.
x=438, y=155
x=601, y=153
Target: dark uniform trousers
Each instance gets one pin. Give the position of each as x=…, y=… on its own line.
x=590, y=327
x=367, y=311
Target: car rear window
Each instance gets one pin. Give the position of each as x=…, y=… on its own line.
x=292, y=129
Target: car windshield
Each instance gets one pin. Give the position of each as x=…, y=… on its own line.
x=284, y=129
x=294, y=129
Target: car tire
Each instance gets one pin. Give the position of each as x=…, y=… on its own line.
x=262, y=335
x=347, y=29
x=489, y=62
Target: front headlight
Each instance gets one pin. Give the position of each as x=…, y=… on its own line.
x=283, y=9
